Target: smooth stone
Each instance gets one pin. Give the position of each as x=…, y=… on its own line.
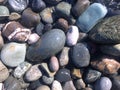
x=87, y=88
x=43, y=87
x=111, y=49
x=47, y=27
x=106, y=31
x=80, y=7
x=80, y=55
x=1, y=86
x=33, y=73
x=69, y=86
x=3, y=72
x=104, y=83
x=12, y=84
x=46, y=15
x=91, y=76
x=29, y=18
x=1, y=42
x=39, y=28
x=88, y=19
x=63, y=75
x=72, y=35
x=50, y=44
x=20, y=70
x=38, y=5
x=14, y=16
x=106, y=64
x=56, y=85
x=82, y=36
x=64, y=56
x=47, y=80
x=79, y=84
x=52, y=2
x=17, y=5
x=63, y=9
x=54, y=64
x=12, y=54
x=76, y=73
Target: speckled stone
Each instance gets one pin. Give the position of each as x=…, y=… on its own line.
x=3, y=72
x=72, y=35
x=104, y=83
x=43, y=87
x=13, y=54
x=80, y=55
x=91, y=16
x=56, y=85
x=106, y=31
x=69, y=86
x=80, y=84
x=47, y=80
x=51, y=43
x=64, y=57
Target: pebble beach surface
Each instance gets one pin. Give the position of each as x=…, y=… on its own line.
x=59, y=45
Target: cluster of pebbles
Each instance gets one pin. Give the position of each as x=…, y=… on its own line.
x=59, y=44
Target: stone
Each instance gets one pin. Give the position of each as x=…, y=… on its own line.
x=3, y=72
x=47, y=80
x=39, y=28
x=1, y=86
x=80, y=55
x=50, y=44
x=69, y=86
x=52, y=2
x=63, y=75
x=106, y=64
x=14, y=16
x=1, y=1
x=33, y=73
x=23, y=83
x=104, y=83
x=46, y=15
x=92, y=75
x=43, y=87
x=56, y=85
x=12, y=54
x=76, y=73
x=79, y=84
x=88, y=19
x=17, y=5
x=54, y=64
x=80, y=7
x=1, y=42
x=106, y=31
x=38, y=5
x=64, y=57
x=72, y=35
x=82, y=37
x=20, y=70
x=113, y=49
x=87, y=88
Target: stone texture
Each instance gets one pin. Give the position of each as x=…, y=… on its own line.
x=47, y=80
x=69, y=86
x=76, y=73
x=1, y=42
x=43, y=87
x=56, y=85
x=79, y=84
x=14, y=16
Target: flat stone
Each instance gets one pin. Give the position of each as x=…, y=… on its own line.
x=12, y=54
x=88, y=19
x=80, y=84
x=43, y=87
x=69, y=86
x=56, y=85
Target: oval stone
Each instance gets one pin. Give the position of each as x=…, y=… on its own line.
x=51, y=43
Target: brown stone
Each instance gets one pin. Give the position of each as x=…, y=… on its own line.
x=76, y=73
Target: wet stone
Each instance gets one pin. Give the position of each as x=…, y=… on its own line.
x=69, y=86
x=56, y=85
x=43, y=87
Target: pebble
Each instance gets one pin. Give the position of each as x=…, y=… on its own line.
x=33, y=73
x=63, y=75
x=1, y=86
x=17, y=5
x=3, y=72
x=52, y=2
x=39, y=28
x=56, y=85
x=12, y=54
x=54, y=64
x=38, y=5
x=72, y=35
x=91, y=16
x=21, y=69
x=14, y=16
x=106, y=31
x=106, y=64
x=64, y=57
x=82, y=36
x=79, y=84
x=76, y=73
x=51, y=43
x=80, y=7
x=80, y=55
x=104, y=83
x=29, y=18
x=43, y=87
x=46, y=15
x=69, y=86
x=1, y=42
x=92, y=75
x=47, y=80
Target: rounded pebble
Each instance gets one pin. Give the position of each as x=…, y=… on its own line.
x=56, y=85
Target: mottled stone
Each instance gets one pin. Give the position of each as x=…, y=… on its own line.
x=88, y=19
x=50, y=44
x=69, y=86
x=56, y=85
x=14, y=16
x=33, y=73
x=13, y=54
x=76, y=73
x=80, y=55
x=3, y=72
x=72, y=35
x=79, y=84
x=47, y=80
x=104, y=83
x=64, y=57
x=43, y=87
x=20, y=70
x=106, y=31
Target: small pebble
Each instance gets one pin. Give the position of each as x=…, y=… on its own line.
x=47, y=80
x=43, y=87
x=14, y=16
x=69, y=86
x=80, y=84
x=56, y=85
x=76, y=73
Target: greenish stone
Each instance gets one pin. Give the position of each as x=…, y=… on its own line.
x=4, y=11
